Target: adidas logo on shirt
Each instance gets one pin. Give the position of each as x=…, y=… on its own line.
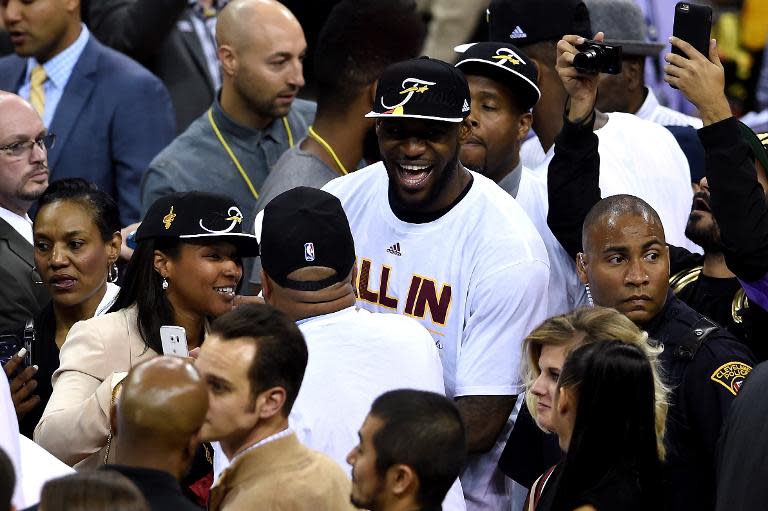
x=395, y=249
x=518, y=33
x=465, y=108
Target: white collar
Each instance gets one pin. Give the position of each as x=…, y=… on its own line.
x=21, y=224
x=271, y=438
x=649, y=106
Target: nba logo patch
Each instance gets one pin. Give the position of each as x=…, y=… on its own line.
x=309, y=251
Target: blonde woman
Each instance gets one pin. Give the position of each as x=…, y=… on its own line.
x=545, y=351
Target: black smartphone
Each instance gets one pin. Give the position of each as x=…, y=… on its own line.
x=693, y=24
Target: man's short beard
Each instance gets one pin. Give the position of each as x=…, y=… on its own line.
x=449, y=170
x=707, y=237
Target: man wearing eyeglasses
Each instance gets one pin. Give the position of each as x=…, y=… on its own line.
x=24, y=145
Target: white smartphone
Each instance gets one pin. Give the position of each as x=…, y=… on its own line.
x=174, y=340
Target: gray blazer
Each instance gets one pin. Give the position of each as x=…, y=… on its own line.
x=20, y=297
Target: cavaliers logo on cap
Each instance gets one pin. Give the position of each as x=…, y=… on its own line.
x=504, y=55
x=235, y=216
x=169, y=218
x=410, y=87
x=731, y=375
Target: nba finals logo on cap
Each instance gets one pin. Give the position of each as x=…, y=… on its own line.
x=421, y=88
x=410, y=87
x=309, y=252
x=504, y=55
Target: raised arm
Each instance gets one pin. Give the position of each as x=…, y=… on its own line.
x=738, y=200
x=574, y=172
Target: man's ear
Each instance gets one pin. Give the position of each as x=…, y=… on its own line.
x=271, y=401
x=266, y=286
x=402, y=480
x=581, y=268
x=526, y=121
x=228, y=59
x=72, y=6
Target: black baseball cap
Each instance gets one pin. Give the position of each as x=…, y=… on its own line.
x=197, y=216
x=306, y=227
x=525, y=22
x=503, y=63
x=422, y=88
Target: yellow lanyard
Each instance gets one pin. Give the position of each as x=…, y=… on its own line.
x=234, y=158
x=325, y=145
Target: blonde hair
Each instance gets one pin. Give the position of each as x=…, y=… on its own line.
x=587, y=325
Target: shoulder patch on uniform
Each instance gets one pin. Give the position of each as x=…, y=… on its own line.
x=731, y=375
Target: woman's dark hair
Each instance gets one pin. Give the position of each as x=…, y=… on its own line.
x=142, y=285
x=102, y=208
x=98, y=490
x=614, y=430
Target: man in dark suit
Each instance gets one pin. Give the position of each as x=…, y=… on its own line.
x=23, y=178
x=111, y=116
x=171, y=38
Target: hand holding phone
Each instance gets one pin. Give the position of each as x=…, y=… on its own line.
x=693, y=24
x=174, y=340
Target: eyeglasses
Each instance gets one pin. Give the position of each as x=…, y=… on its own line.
x=21, y=148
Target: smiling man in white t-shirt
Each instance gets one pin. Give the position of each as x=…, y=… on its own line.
x=448, y=247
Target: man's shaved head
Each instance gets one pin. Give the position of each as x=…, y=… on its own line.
x=626, y=259
x=609, y=209
x=241, y=19
x=163, y=403
x=261, y=50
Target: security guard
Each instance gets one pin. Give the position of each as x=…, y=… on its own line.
x=705, y=366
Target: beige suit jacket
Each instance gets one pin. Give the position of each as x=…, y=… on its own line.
x=93, y=360
x=285, y=475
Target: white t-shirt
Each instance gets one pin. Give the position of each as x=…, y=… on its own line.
x=641, y=158
x=476, y=278
x=566, y=292
x=652, y=110
x=354, y=357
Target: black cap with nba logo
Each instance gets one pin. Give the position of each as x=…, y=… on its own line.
x=197, y=216
x=306, y=227
x=422, y=88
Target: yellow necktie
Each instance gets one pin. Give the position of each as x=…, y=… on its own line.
x=36, y=92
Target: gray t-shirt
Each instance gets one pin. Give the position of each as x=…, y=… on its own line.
x=294, y=168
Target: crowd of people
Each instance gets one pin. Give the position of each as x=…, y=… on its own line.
x=502, y=283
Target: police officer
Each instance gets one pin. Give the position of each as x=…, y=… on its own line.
x=623, y=259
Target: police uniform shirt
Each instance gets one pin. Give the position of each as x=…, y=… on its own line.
x=705, y=367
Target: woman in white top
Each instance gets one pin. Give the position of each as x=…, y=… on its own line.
x=76, y=243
